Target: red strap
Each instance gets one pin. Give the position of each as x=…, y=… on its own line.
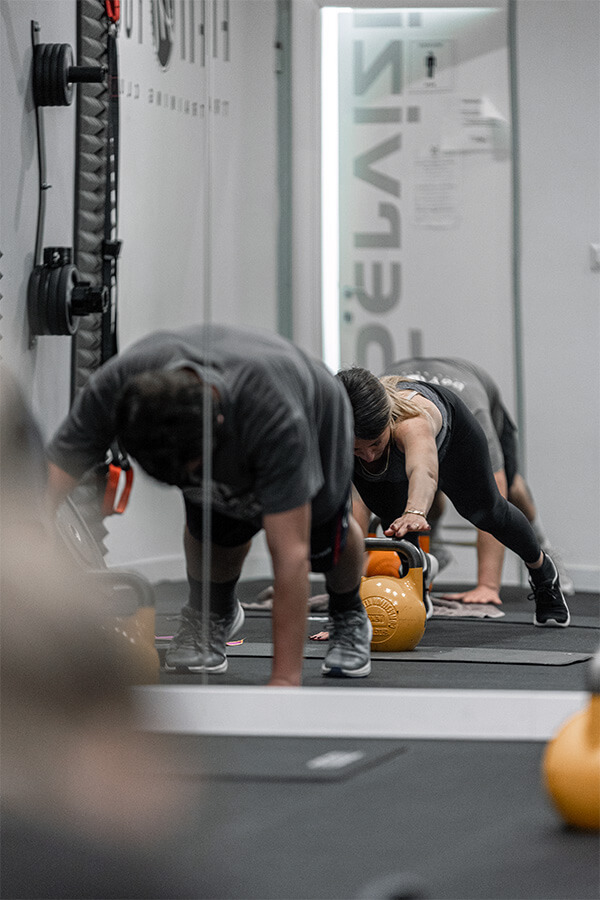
x=110, y=506
x=113, y=10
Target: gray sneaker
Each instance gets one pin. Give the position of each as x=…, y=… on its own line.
x=349, y=654
x=186, y=652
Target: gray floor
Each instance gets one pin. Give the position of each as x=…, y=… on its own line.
x=397, y=818
x=430, y=819
x=513, y=632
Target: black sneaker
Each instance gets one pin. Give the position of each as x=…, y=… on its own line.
x=550, y=605
x=186, y=652
x=349, y=654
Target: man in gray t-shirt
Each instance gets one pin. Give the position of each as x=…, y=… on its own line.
x=280, y=430
x=482, y=397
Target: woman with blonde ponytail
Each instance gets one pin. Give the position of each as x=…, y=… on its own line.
x=411, y=438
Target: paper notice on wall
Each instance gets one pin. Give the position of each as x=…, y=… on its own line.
x=478, y=126
x=436, y=186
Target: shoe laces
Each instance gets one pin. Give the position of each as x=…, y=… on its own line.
x=344, y=628
x=191, y=629
x=547, y=592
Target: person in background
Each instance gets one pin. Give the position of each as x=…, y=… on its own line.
x=412, y=438
x=482, y=396
x=271, y=429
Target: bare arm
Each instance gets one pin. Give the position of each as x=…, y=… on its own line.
x=416, y=437
x=288, y=538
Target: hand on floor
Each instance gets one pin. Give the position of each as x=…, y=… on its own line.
x=479, y=594
x=319, y=636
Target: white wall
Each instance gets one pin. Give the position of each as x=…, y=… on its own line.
x=559, y=120
x=199, y=213
x=559, y=115
x=44, y=368
x=198, y=210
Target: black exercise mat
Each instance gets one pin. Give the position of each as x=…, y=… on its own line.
x=505, y=655
x=270, y=758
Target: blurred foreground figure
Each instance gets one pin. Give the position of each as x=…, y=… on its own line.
x=86, y=811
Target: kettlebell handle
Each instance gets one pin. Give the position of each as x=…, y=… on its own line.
x=412, y=555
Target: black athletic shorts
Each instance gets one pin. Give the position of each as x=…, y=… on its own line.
x=326, y=540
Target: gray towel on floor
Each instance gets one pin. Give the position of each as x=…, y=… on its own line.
x=445, y=609
x=264, y=601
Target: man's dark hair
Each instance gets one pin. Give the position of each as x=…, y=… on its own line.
x=370, y=402
x=159, y=420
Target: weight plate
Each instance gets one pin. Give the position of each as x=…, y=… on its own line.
x=38, y=84
x=77, y=536
x=45, y=318
x=67, y=281
x=55, y=85
x=33, y=301
x=54, y=317
x=64, y=61
x=45, y=91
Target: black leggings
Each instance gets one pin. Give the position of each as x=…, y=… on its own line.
x=467, y=479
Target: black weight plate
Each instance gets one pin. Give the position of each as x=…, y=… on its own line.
x=64, y=61
x=44, y=75
x=77, y=536
x=69, y=63
x=33, y=301
x=38, y=75
x=46, y=88
x=54, y=320
x=55, y=85
x=59, y=300
x=66, y=283
x=45, y=317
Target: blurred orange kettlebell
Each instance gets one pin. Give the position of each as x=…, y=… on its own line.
x=571, y=762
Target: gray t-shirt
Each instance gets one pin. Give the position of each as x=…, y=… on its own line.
x=287, y=435
x=475, y=388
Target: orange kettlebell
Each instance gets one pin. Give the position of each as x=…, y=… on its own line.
x=395, y=605
x=571, y=762
x=383, y=562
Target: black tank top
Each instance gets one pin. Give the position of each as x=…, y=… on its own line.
x=395, y=470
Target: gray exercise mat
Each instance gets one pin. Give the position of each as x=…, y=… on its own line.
x=434, y=654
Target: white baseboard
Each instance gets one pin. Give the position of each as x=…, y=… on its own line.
x=421, y=714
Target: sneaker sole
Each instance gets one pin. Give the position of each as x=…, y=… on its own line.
x=338, y=672
x=183, y=670
x=552, y=623
x=222, y=667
